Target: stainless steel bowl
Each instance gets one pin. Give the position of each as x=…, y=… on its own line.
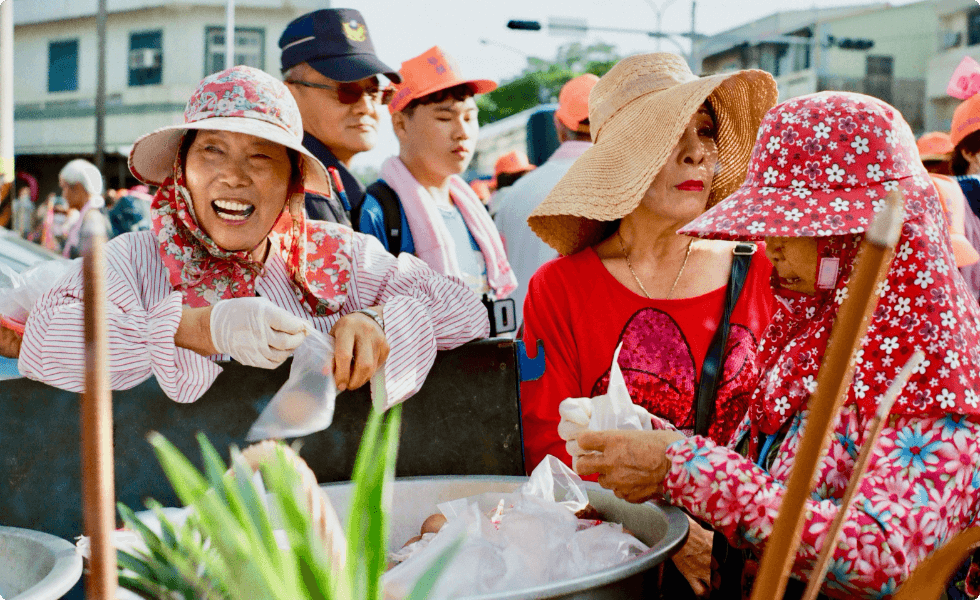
x=661, y=527
x=36, y=565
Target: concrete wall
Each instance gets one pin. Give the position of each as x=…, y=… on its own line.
x=64, y=122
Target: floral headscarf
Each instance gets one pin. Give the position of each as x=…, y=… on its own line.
x=317, y=254
x=923, y=301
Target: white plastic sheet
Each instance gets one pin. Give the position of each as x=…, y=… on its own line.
x=516, y=541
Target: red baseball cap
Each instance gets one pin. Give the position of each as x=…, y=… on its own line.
x=573, y=102
x=429, y=72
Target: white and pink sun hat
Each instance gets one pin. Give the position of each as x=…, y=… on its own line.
x=240, y=99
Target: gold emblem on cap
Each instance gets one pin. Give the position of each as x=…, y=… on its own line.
x=355, y=32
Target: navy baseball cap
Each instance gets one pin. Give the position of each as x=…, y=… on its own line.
x=335, y=42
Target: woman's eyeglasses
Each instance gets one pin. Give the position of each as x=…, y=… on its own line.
x=351, y=93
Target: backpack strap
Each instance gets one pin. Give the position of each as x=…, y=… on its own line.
x=392, y=211
x=713, y=366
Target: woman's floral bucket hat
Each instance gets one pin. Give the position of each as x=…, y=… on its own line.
x=821, y=166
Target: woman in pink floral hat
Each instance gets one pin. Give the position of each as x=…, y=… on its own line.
x=233, y=269
x=819, y=171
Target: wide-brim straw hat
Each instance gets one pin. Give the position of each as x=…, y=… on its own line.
x=241, y=100
x=637, y=112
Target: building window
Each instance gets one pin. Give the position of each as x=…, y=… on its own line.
x=878, y=79
x=63, y=66
x=249, y=48
x=145, y=58
x=973, y=27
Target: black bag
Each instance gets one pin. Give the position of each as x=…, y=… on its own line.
x=391, y=209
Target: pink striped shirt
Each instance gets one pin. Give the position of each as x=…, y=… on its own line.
x=424, y=312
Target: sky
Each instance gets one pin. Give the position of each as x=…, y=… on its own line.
x=475, y=32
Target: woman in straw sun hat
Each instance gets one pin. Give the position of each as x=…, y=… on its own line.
x=922, y=485
x=667, y=145
x=233, y=268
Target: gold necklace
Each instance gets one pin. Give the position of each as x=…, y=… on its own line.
x=626, y=255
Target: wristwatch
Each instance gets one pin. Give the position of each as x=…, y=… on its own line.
x=374, y=315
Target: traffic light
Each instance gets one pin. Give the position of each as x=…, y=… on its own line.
x=525, y=25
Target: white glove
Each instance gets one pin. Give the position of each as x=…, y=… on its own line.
x=256, y=332
x=575, y=414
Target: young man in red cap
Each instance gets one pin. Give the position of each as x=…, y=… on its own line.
x=512, y=206
x=430, y=211
x=329, y=66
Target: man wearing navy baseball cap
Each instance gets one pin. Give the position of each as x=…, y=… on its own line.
x=329, y=65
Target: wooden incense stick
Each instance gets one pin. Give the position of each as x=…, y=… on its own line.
x=833, y=381
x=98, y=484
x=860, y=466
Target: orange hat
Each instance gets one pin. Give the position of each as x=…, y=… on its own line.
x=514, y=161
x=573, y=102
x=934, y=145
x=431, y=71
x=954, y=205
x=966, y=120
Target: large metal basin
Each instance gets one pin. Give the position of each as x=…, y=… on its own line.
x=35, y=565
x=663, y=528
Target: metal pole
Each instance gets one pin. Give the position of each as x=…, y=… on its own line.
x=7, y=89
x=695, y=59
x=100, y=22
x=230, y=34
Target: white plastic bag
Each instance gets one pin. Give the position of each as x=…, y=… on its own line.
x=19, y=292
x=530, y=537
x=612, y=410
x=305, y=403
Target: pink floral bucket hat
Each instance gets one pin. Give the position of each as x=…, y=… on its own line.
x=821, y=166
x=240, y=99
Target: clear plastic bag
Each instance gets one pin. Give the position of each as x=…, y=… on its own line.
x=305, y=403
x=515, y=541
x=19, y=291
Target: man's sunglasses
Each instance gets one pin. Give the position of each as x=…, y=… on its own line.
x=351, y=93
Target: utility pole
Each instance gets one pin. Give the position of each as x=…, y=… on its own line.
x=7, y=90
x=230, y=34
x=659, y=10
x=100, y=26
x=695, y=58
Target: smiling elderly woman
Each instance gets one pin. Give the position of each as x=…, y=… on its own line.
x=233, y=268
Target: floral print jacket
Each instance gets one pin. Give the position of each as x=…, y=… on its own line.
x=922, y=487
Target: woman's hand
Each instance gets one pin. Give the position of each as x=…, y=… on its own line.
x=360, y=348
x=9, y=342
x=633, y=464
x=693, y=560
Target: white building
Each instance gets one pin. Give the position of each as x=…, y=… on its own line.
x=876, y=49
x=958, y=36
x=156, y=52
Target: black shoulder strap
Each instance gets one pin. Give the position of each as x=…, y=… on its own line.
x=711, y=370
x=392, y=211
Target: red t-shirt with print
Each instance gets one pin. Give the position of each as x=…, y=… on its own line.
x=581, y=313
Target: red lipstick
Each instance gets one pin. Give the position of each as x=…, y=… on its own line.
x=691, y=185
